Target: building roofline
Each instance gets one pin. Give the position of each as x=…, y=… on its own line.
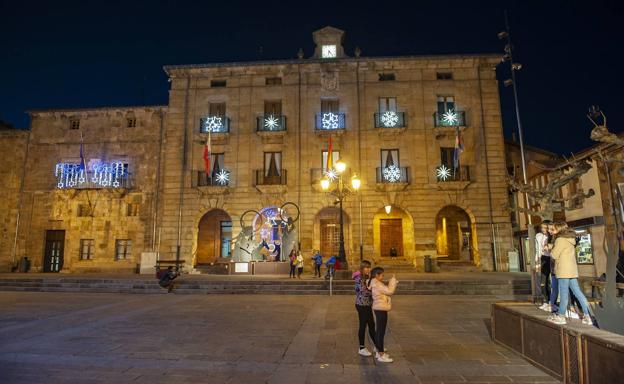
x=167, y=68
x=84, y=109
x=533, y=148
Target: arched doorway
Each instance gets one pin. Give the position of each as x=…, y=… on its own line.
x=214, y=238
x=393, y=233
x=455, y=234
x=327, y=231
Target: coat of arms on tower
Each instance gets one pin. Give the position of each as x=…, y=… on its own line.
x=329, y=81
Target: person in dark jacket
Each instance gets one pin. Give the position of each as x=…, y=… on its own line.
x=331, y=264
x=317, y=258
x=166, y=279
x=364, y=306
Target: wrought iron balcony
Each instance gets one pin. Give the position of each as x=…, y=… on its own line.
x=216, y=124
x=101, y=175
x=271, y=123
x=216, y=179
x=450, y=118
x=393, y=174
x=446, y=173
x=263, y=179
x=330, y=121
x=390, y=119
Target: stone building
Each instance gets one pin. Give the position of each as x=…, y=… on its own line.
x=394, y=121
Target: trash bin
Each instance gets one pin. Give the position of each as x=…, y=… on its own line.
x=24, y=265
x=428, y=264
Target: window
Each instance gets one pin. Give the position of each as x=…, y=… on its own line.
x=131, y=122
x=217, y=161
x=447, y=156
x=84, y=210
x=324, y=159
x=226, y=239
x=272, y=165
x=74, y=123
x=123, y=249
x=217, y=109
x=389, y=157
x=329, y=105
x=387, y=104
x=386, y=77
x=444, y=75
x=133, y=209
x=273, y=81
x=86, y=249
x=218, y=83
x=445, y=104
x=273, y=107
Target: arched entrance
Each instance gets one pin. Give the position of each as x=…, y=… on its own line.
x=455, y=234
x=393, y=233
x=327, y=231
x=214, y=238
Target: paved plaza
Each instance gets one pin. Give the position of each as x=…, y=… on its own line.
x=118, y=338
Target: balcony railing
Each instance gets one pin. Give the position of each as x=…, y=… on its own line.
x=449, y=119
x=393, y=174
x=216, y=124
x=215, y=180
x=390, y=119
x=330, y=121
x=460, y=174
x=124, y=183
x=263, y=179
x=271, y=123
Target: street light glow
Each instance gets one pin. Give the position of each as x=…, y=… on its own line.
x=356, y=182
x=340, y=166
x=324, y=184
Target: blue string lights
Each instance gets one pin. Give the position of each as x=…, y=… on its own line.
x=98, y=175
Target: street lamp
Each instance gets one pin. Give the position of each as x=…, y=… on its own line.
x=341, y=191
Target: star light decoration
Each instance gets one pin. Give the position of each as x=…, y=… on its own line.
x=389, y=119
x=271, y=122
x=392, y=173
x=222, y=177
x=330, y=121
x=450, y=117
x=331, y=174
x=213, y=123
x=443, y=172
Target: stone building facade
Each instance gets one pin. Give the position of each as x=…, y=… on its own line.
x=393, y=120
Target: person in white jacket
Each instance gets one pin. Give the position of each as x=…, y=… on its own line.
x=381, y=306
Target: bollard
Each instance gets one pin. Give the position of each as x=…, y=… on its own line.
x=428, y=264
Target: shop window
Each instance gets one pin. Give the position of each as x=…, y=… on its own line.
x=86, y=249
x=123, y=249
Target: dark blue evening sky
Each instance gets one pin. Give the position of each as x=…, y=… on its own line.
x=66, y=54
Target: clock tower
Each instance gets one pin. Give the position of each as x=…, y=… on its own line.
x=328, y=42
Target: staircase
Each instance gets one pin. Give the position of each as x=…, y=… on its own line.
x=395, y=265
x=456, y=266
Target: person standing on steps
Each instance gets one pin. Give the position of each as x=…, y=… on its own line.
x=331, y=264
x=292, y=260
x=299, y=261
x=542, y=256
x=317, y=259
x=381, y=306
x=364, y=306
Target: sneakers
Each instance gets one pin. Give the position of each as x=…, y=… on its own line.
x=587, y=320
x=384, y=358
x=572, y=314
x=557, y=319
x=365, y=352
x=546, y=307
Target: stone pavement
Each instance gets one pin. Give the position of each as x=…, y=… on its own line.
x=116, y=338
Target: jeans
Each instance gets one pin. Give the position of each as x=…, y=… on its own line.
x=317, y=270
x=299, y=271
x=365, y=315
x=382, y=322
x=545, y=277
x=554, y=290
x=565, y=285
x=292, y=271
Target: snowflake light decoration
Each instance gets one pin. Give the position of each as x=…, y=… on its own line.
x=392, y=173
x=213, y=123
x=223, y=177
x=330, y=121
x=450, y=117
x=331, y=174
x=271, y=122
x=389, y=119
x=443, y=172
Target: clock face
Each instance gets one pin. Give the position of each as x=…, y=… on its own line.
x=328, y=51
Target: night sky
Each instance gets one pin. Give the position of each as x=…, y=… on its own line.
x=70, y=54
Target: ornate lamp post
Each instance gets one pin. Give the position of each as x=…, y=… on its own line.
x=337, y=187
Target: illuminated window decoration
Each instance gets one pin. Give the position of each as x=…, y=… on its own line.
x=213, y=123
x=100, y=175
x=450, y=117
x=223, y=177
x=443, y=172
x=392, y=173
x=389, y=119
x=330, y=121
x=271, y=122
x=331, y=174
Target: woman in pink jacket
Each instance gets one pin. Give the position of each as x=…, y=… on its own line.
x=381, y=306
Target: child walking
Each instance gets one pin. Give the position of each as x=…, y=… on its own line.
x=381, y=306
x=363, y=306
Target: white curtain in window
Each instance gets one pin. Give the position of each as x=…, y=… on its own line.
x=387, y=104
x=389, y=157
x=267, y=163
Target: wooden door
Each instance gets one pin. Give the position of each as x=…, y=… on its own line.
x=211, y=240
x=330, y=237
x=53, y=253
x=391, y=235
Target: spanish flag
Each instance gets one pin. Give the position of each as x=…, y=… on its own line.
x=330, y=154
